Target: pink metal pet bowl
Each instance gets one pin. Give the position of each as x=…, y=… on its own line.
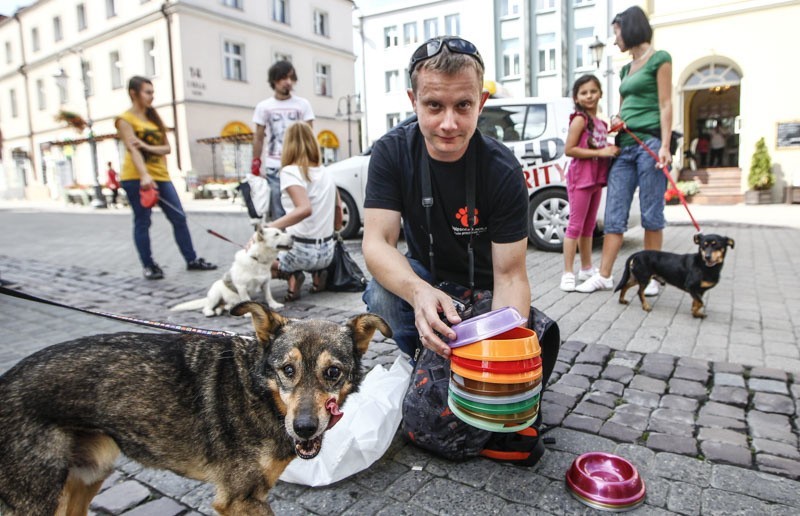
x=606, y=482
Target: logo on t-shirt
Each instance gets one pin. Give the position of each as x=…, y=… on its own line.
x=462, y=228
x=461, y=215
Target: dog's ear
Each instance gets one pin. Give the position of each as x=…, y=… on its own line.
x=730, y=243
x=364, y=327
x=697, y=238
x=259, y=234
x=265, y=321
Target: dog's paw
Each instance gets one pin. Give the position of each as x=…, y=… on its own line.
x=209, y=313
x=275, y=305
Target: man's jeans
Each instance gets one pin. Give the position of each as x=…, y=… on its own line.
x=398, y=314
x=276, y=210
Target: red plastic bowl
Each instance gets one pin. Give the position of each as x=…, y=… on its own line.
x=488, y=366
x=605, y=481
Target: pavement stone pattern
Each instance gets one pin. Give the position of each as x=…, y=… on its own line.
x=710, y=432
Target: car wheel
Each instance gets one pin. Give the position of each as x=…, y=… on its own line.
x=548, y=216
x=350, y=219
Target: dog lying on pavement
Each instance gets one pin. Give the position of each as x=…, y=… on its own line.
x=692, y=273
x=232, y=411
x=249, y=275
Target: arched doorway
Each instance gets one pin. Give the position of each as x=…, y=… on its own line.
x=711, y=97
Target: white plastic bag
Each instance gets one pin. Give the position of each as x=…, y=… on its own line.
x=370, y=421
x=259, y=193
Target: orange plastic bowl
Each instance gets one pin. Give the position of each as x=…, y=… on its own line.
x=529, y=376
x=488, y=366
x=515, y=344
x=492, y=389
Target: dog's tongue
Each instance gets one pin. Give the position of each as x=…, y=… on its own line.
x=336, y=414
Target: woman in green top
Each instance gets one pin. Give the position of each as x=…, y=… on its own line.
x=646, y=109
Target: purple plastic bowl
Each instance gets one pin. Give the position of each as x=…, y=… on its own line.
x=486, y=325
x=606, y=482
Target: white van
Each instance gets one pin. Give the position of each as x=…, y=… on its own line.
x=535, y=129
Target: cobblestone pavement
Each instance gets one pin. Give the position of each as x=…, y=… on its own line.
x=705, y=409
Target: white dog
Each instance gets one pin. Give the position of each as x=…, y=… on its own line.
x=249, y=274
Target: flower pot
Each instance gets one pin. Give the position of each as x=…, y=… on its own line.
x=758, y=197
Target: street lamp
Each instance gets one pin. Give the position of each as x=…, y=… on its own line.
x=61, y=77
x=597, y=48
x=349, y=115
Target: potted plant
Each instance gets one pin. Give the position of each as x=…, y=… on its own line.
x=687, y=188
x=72, y=119
x=761, y=178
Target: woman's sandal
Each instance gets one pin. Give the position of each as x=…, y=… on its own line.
x=320, y=278
x=293, y=294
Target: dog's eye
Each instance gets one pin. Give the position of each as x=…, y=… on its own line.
x=288, y=370
x=333, y=373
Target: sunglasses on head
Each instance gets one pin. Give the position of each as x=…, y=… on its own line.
x=434, y=46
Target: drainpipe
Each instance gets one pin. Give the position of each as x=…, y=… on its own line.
x=172, y=83
x=23, y=70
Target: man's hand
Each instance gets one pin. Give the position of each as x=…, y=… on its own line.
x=429, y=303
x=255, y=167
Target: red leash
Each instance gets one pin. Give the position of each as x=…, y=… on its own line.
x=664, y=169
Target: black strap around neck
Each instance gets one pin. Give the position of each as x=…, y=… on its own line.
x=427, y=202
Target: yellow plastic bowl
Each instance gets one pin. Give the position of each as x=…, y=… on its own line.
x=515, y=344
x=482, y=376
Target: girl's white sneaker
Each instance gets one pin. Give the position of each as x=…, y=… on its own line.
x=567, y=282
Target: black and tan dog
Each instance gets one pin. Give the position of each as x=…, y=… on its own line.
x=232, y=411
x=692, y=273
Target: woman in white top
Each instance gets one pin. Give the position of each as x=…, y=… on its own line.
x=313, y=212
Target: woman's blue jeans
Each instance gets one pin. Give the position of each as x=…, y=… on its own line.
x=398, y=314
x=141, y=220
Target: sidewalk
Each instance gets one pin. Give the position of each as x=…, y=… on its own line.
x=706, y=410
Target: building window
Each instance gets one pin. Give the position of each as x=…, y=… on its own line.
x=546, y=4
x=116, y=70
x=322, y=80
x=58, y=34
x=12, y=96
x=87, y=77
x=431, y=26
x=35, y=39
x=63, y=91
x=81, y=12
x=452, y=25
x=392, y=119
x=547, y=52
x=280, y=56
x=410, y=33
x=234, y=61
x=321, y=23
x=511, y=58
x=280, y=11
x=149, y=47
x=392, y=80
x=583, y=54
x=9, y=56
x=237, y=4
x=511, y=7
x=111, y=8
x=40, y=94
x=390, y=36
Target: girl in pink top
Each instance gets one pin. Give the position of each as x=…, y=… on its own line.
x=588, y=147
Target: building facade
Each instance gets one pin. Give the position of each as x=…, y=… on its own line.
x=208, y=60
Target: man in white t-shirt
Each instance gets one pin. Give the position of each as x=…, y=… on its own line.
x=271, y=117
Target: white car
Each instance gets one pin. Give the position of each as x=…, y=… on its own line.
x=535, y=129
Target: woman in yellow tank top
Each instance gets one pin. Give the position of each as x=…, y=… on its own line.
x=145, y=167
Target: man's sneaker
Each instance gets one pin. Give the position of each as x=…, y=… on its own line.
x=567, y=282
x=596, y=282
x=153, y=272
x=583, y=275
x=198, y=264
x=652, y=288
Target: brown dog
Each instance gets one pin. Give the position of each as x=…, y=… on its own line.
x=232, y=411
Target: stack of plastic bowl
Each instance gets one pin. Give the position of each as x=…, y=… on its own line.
x=606, y=482
x=495, y=372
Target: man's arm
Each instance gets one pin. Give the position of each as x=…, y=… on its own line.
x=511, y=287
x=391, y=269
x=258, y=146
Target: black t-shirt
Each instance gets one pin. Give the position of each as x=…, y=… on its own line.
x=501, y=202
